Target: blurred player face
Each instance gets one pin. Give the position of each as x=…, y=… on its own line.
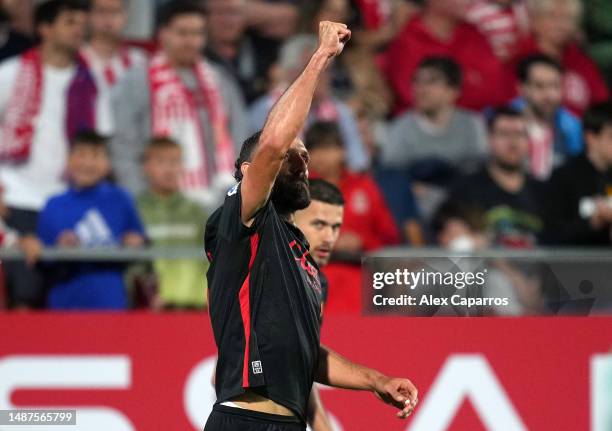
x=183, y=39
x=67, y=32
x=543, y=90
x=163, y=167
x=320, y=223
x=509, y=143
x=600, y=146
x=290, y=191
x=431, y=91
x=226, y=20
x=88, y=165
x=108, y=18
x=328, y=161
x=556, y=25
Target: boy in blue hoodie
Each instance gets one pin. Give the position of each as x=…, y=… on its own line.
x=92, y=213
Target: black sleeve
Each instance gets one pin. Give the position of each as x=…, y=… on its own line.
x=230, y=226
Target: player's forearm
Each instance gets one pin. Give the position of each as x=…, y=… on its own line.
x=337, y=371
x=288, y=115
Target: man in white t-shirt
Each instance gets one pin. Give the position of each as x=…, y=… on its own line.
x=47, y=95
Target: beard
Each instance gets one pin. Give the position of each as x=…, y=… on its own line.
x=508, y=167
x=290, y=193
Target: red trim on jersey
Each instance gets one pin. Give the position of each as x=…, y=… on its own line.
x=245, y=310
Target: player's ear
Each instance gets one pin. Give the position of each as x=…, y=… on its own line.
x=244, y=167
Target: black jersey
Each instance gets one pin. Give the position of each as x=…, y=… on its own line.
x=265, y=305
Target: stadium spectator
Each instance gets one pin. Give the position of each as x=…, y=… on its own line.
x=461, y=229
x=435, y=128
x=47, y=95
x=555, y=31
x=105, y=53
x=232, y=49
x=171, y=219
x=182, y=96
x=270, y=23
x=504, y=22
x=325, y=107
x=12, y=42
x=509, y=198
x=439, y=30
x=554, y=132
x=368, y=224
x=91, y=213
x=579, y=195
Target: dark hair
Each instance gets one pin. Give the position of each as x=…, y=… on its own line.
x=167, y=12
x=448, y=67
x=323, y=134
x=48, y=11
x=493, y=115
x=246, y=153
x=90, y=138
x=523, y=69
x=160, y=143
x=454, y=209
x=597, y=117
x=326, y=192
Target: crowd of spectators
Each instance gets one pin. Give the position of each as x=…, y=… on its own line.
x=464, y=124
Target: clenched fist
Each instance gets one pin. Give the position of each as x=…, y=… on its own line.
x=332, y=38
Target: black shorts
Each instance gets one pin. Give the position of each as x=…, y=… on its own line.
x=225, y=418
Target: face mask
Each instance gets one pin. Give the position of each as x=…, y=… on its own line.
x=463, y=243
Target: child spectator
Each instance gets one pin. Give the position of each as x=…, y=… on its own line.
x=91, y=213
x=171, y=219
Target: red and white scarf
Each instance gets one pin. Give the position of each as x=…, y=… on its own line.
x=112, y=70
x=175, y=114
x=18, y=128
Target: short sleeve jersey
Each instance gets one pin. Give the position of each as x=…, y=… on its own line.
x=265, y=305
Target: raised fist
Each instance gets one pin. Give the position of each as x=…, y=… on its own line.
x=332, y=37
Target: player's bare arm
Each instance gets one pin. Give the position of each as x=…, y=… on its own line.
x=285, y=122
x=337, y=371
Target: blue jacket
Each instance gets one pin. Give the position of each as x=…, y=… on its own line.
x=99, y=216
x=568, y=130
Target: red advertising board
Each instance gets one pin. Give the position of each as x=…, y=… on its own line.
x=144, y=371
